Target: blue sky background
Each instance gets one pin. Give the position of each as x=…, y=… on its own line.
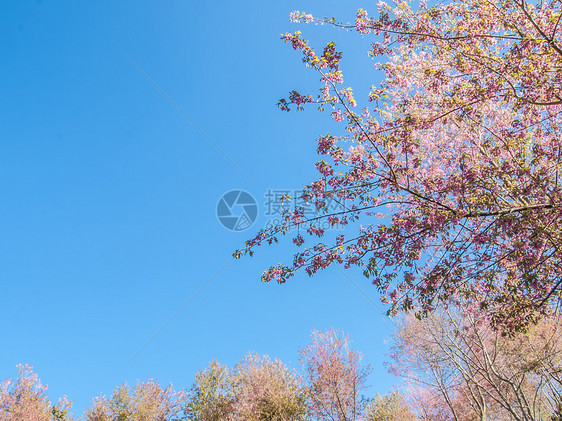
x=108, y=194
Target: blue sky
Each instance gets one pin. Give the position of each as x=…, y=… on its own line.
x=108, y=193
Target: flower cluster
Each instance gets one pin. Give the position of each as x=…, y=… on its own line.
x=461, y=145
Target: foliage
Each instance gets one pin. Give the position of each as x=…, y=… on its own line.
x=453, y=168
x=335, y=376
x=454, y=367
x=268, y=391
x=212, y=396
x=391, y=407
x=147, y=401
x=25, y=399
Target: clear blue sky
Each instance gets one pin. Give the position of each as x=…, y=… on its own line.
x=108, y=193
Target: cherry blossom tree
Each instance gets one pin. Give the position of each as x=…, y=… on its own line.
x=256, y=389
x=452, y=168
x=147, y=401
x=457, y=368
x=267, y=390
x=212, y=396
x=25, y=399
x=335, y=377
x=390, y=407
